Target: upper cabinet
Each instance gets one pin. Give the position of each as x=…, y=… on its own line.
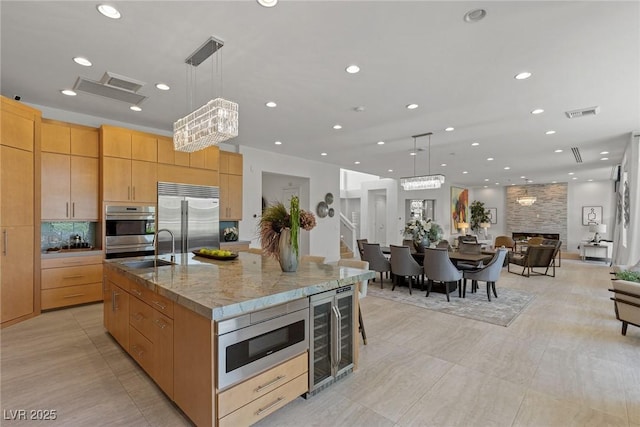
x=230, y=186
x=69, y=172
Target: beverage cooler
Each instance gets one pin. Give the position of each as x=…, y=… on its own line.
x=331, y=337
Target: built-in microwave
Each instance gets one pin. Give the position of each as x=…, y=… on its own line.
x=257, y=341
x=129, y=230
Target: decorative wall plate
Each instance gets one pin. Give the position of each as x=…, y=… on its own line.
x=328, y=198
x=331, y=212
x=322, y=209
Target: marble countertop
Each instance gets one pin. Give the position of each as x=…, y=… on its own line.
x=223, y=289
x=64, y=253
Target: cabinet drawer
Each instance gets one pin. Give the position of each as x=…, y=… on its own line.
x=266, y=404
x=70, y=295
x=141, y=349
x=141, y=317
x=158, y=302
x=71, y=261
x=71, y=276
x=238, y=396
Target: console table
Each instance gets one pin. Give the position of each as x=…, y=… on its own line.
x=596, y=250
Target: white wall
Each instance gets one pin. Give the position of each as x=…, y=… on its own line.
x=324, y=239
x=390, y=188
x=597, y=193
x=492, y=198
x=352, y=180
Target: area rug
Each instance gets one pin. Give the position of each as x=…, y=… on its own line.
x=499, y=311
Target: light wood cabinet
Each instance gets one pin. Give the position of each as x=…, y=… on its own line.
x=71, y=184
x=116, y=308
x=186, y=175
x=125, y=180
x=19, y=144
x=162, y=338
x=68, y=138
x=230, y=186
x=70, y=281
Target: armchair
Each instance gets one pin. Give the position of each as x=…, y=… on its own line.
x=626, y=303
x=541, y=256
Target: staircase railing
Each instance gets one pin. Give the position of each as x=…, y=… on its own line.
x=349, y=233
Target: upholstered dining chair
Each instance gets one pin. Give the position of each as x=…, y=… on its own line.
x=468, y=248
x=360, y=243
x=490, y=273
x=376, y=259
x=312, y=258
x=362, y=265
x=467, y=238
x=404, y=265
x=410, y=244
x=439, y=268
x=443, y=244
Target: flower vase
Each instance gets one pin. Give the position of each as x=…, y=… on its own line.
x=286, y=254
x=421, y=244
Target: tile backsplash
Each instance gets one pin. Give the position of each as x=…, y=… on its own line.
x=59, y=234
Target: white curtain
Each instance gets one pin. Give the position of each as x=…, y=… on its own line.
x=626, y=249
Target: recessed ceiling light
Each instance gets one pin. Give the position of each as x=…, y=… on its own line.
x=380, y=142
x=554, y=182
x=497, y=183
x=443, y=164
x=486, y=186
x=413, y=153
x=486, y=179
x=68, y=92
x=522, y=76
x=590, y=180
x=135, y=108
x=412, y=106
x=352, y=69
x=323, y=154
x=529, y=180
x=558, y=151
x=390, y=170
x=278, y=143
x=489, y=159
x=550, y=132
x=513, y=183
x=336, y=127
x=571, y=173
x=162, y=86
x=604, y=152
x=523, y=177
x=507, y=168
x=109, y=11
x=267, y=3
x=604, y=158
x=465, y=172
x=575, y=177
x=359, y=109
x=356, y=163
x=537, y=111
x=82, y=61
x=474, y=15
x=271, y=104
x=475, y=144
x=449, y=129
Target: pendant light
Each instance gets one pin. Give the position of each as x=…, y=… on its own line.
x=422, y=182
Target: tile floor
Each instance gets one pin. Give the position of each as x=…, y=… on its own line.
x=562, y=362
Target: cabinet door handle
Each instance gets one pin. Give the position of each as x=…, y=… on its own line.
x=134, y=192
x=67, y=214
x=270, y=406
x=128, y=192
x=73, y=209
x=160, y=323
x=137, y=350
x=161, y=306
x=5, y=239
x=339, y=340
x=136, y=291
x=270, y=383
x=334, y=338
x=73, y=296
x=113, y=301
x=138, y=316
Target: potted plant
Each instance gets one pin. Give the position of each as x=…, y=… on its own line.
x=279, y=230
x=478, y=215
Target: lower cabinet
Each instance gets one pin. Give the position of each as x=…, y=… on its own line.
x=257, y=397
x=70, y=281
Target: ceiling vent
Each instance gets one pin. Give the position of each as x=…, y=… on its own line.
x=591, y=111
x=107, y=91
x=121, y=82
x=576, y=154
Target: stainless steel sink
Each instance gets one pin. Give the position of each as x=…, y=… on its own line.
x=148, y=263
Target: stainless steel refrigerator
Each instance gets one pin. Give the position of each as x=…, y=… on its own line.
x=191, y=213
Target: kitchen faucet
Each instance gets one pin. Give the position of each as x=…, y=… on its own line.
x=173, y=243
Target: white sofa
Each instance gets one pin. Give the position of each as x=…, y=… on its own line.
x=627, y=302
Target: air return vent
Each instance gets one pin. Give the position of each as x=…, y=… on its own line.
x=97, y=88
x=591, y=111
x=121, y=82
x=576, y=154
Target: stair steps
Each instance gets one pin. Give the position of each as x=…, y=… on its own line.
x=345, y=252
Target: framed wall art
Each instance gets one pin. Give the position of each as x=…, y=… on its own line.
x=591, y=215
x=492, y=213
x=459, y=207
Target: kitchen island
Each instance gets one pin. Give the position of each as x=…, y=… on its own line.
x=167, y=319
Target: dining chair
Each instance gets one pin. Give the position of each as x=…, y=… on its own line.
x=467, y=238
x=469, y=248
x=312, y=258
x=376, y=259
x=404, y=265
x=362, y=265
x=360, y=243
x=490, y=274
x=439, y=268
x=410, y=244
x=443, y=244
x=505, y=241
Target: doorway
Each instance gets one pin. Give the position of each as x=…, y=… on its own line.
x=380, y=219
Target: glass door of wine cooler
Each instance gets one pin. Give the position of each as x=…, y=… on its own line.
x=320, y=341
x=345, y=307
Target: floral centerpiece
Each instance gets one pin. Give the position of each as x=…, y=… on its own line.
x=421, y=229
x=279, y=230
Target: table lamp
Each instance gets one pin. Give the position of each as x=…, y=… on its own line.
x=485, y=225
x=597, y=229
x=464, y=226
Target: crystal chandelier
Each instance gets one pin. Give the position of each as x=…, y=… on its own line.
x=214, y=122
x=526, y=200
x=422, y=182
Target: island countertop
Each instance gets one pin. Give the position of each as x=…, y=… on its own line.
x=222, y=289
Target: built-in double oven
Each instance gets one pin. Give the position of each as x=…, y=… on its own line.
x=129, y=231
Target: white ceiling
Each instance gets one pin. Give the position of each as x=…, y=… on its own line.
x=581, y=54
